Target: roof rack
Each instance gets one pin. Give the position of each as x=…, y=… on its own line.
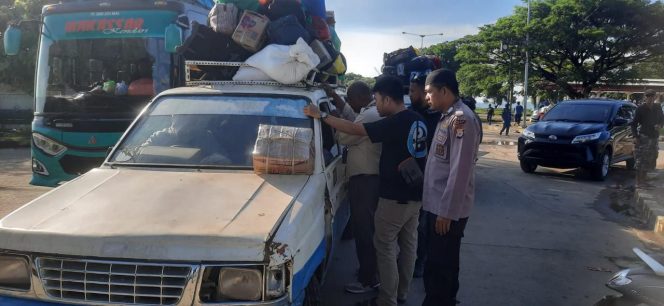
x=307, y=83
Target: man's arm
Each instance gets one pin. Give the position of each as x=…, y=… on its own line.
x=341, y=105
x=635, y=122
x=341, y=125
x=367, y=116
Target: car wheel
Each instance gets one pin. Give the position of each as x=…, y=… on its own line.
x=601, y=171
x=528, y=167
x=631, y=164
x=312, y=292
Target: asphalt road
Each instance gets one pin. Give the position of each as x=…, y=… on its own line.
x=545, y=239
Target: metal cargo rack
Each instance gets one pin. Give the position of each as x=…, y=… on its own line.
x=307, y=83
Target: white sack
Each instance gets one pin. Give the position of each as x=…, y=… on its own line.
x=285, y=64
x=251, y=74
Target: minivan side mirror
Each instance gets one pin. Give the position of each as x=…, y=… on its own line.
x=12, y=40
x=172, y=38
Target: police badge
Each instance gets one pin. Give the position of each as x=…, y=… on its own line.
x=459, y=122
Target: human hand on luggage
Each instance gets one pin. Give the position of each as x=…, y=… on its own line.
x=312, y=111
x=442, y=225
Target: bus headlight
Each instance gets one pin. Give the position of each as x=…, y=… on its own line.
x=14, y=273
x=49, y=146
x=240, y=284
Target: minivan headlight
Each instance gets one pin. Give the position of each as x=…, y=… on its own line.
x=586, y=138
x=240, y=284
x=528, y=134
x=14, y=272
x=49, y=146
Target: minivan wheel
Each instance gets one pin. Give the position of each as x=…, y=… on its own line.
x=312, y=292
x=528, y=167
x=601, y=170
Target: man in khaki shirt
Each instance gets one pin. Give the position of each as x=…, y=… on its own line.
x=362, y=168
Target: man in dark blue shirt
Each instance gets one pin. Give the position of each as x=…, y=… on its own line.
x=403, y=134
x=431, y=118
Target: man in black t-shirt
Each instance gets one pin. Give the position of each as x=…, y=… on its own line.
x=403, y=134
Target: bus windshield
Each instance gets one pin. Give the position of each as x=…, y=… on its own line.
x=101, y=65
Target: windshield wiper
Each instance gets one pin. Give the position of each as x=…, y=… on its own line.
x=176, y=166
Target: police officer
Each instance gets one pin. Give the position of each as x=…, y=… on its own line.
x=449, y=186
x=645, y=128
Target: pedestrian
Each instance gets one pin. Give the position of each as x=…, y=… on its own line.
x=363, y=193
x=645, y=127
x=507, y=120
x=403, y=135
x=431, y=118
x=489, y=114
x=518, y=113
x=449, y=186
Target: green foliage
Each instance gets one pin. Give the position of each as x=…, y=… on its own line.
x=18, y=71
x=353, y=77
x=570, y=41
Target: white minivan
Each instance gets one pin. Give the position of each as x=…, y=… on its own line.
x=177, y=216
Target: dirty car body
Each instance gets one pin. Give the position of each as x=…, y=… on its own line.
x=176, y=216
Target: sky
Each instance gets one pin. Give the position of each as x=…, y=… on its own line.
x=369, y=28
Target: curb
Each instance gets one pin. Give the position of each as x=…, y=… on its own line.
x=650, y=209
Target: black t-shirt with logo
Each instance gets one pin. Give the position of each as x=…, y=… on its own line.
x=402, y=135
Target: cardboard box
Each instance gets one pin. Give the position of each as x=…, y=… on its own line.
x=250, y=32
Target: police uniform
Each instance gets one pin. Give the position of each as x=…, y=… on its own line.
x=449, y=192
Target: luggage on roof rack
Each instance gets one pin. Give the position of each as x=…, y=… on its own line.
x=192, y=66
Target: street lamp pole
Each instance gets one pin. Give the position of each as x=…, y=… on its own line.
x=421, y=36
x=525, y=81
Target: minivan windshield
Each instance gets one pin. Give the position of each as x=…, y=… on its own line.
x=205, y=131
x=579, y=112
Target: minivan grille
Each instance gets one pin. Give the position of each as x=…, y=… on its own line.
x=113, y=282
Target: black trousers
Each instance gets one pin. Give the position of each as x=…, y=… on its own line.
x=363, y=193
x=422, y=234
x=441, y=271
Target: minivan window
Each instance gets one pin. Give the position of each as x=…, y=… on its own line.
x=575, y=112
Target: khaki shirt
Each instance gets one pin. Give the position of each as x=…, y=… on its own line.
x=363, y=155
x=449, y=178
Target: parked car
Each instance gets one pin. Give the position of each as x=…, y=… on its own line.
x=188, y=222
x=591, y=134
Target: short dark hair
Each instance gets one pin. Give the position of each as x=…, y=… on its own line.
x=419, y=79
x=390, y=86
x=444, y=78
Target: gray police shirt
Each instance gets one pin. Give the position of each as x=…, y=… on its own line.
x=449, y=178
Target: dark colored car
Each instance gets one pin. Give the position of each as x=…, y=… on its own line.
x=589, y=134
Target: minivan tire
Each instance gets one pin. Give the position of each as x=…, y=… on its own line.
x=528, y=167
x=600, y=171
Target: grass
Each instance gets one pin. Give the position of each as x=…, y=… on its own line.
x=14, y=138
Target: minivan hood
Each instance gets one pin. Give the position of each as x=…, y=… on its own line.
x=156, y=215
x=569, y=129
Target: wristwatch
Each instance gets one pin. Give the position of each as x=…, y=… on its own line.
x=324, y=115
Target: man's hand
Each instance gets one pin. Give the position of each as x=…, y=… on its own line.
x=328, y=90
x=312, y=111
x=442, y=225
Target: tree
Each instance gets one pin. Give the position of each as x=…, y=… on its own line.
x=18, y=71
x=589, y=41
x=447, y=52
x=353, y=77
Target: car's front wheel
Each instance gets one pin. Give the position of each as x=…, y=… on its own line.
x=528, y=167
x=601, y=170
